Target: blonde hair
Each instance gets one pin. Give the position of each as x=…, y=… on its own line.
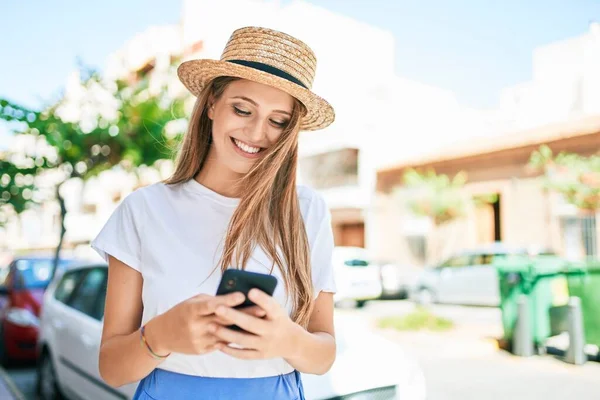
x=268, y=214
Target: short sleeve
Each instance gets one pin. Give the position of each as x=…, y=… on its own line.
x=322, y=251
x=120, y=236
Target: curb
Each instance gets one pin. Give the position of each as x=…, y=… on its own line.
x=10, y=385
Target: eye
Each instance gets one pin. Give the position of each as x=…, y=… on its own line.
x=239, y=111
x=279, y=124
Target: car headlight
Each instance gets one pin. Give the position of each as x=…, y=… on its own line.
x=22, y=317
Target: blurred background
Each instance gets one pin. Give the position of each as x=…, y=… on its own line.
x=462, y=174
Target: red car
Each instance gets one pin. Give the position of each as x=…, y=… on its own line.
x=21, y=293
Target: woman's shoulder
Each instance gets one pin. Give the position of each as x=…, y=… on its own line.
x=312, y=204
x=152, y=195
x=308, y=195
x=141, y=193
x=154, y=190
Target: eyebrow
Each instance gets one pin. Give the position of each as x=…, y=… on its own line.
x=249, y=100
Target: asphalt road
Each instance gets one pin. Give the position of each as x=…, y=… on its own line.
x=24, y=378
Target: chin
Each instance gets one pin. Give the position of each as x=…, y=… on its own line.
x=240, y=168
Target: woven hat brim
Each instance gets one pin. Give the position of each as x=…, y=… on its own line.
x=196, y=74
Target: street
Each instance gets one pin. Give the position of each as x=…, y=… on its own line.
x=23, y=376
x=463, y=363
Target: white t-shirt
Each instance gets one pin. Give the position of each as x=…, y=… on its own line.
x=173, y=235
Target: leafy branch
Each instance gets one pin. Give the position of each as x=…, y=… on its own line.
x=574, y=176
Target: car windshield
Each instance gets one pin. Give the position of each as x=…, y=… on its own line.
x=35, y=272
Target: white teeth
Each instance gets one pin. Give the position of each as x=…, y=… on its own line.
x=246, y=148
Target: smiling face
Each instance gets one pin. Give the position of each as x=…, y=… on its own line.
x=247, y=118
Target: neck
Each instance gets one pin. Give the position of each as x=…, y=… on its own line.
x=219, y=179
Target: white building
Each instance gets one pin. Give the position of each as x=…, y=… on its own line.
x=559, y=106
x=565, y=83
x=379, y=117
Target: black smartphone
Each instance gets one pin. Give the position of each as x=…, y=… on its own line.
x=238, y=280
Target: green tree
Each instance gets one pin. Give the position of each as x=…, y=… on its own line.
x=133, y=136
x=16, y=188
x=435, y=196
x=440, y=198
x=574, y=176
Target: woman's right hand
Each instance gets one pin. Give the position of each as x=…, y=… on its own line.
x=185, y=327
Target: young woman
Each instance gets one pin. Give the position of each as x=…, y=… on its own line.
x=232, y=202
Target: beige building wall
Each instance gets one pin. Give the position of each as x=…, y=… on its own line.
x=528, y=215
x=525, y=220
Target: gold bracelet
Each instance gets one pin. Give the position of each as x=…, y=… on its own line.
x=144, y=343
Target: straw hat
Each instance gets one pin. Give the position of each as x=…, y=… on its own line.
x=269, y=57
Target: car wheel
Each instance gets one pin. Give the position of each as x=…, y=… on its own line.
x=425, y=297
x=360, y=303
x=46, y=385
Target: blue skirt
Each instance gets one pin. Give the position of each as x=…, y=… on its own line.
x=167, y=385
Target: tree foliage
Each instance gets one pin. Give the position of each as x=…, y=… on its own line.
x=94, y=128
x=436, y=196
x=16, y=189
x=574, y=176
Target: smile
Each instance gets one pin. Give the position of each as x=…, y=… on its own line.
x=245, y=149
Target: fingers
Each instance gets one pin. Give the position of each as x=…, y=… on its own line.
x=216, y=345
x=210, y=340
x=207, y=343
x=266, y=302
x=206, y=305
x=245, y=321
x=244, y=354
x=226, y=335
x=253, y=311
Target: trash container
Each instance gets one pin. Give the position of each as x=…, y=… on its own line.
x=543, y=280
x=587, y=288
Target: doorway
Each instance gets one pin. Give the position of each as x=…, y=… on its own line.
x=488, y=218
x=350, y=234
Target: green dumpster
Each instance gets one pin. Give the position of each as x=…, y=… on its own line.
x=587, y=288
x=543, y=280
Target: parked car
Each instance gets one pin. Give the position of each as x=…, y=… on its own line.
x=467, y=277
x=21, y=292
x=357, y=277
x=397, y=280
x=367, y=366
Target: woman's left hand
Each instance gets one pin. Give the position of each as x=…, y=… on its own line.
x=269, y=337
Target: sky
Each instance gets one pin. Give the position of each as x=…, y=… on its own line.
x=473, y=48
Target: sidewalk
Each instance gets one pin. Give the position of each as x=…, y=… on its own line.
x=466, y=363
x=8, y=390
x=459, y=366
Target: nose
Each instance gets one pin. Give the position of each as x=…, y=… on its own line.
x=255, y=131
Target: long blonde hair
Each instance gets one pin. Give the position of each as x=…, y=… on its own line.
x=268, y=214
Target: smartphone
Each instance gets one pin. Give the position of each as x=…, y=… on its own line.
x=238, y=280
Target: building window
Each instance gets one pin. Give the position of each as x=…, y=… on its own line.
x=351, y=234
x=417, y=245
x=580, y=238
x=331, y=169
